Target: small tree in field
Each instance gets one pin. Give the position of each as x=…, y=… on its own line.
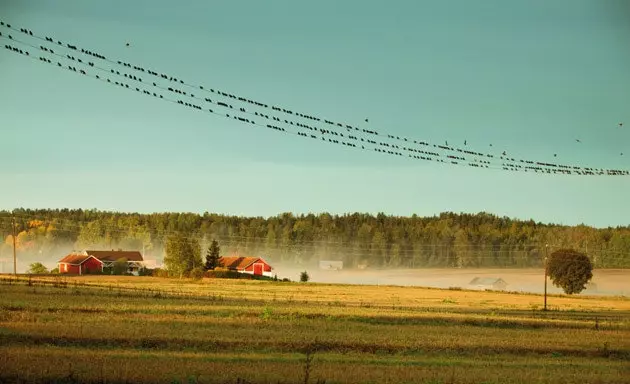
x=37, y=269
x=569, y=270
x=304, y=277
x=212, y=256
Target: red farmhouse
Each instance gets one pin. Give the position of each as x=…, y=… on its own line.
x=251, y=265
x=80, y=264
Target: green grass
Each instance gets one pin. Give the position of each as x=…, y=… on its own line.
x=141, y=329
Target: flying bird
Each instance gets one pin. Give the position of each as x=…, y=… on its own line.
x=578, y=140
x=366, y=120
x=464, y=142
x=620, y=125
x=127, y=44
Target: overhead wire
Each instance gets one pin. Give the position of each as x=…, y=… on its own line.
x=509, y=164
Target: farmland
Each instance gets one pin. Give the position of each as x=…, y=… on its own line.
x=146, y=329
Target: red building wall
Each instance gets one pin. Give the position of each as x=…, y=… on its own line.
x=266, y=267
x=91, y=265
x=67, y=268
x=88, y=266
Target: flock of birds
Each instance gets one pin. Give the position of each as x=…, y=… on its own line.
x=309, y=123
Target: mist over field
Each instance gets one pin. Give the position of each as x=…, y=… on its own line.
x=614, y=282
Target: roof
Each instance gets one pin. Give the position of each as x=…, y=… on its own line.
x=239, y=262
x=486, y=281
x=75, y=259
x=116, y=255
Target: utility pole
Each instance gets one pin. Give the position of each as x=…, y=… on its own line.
x=14, y=253
x=546, y=248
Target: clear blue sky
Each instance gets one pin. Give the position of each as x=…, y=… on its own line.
x=528, y=76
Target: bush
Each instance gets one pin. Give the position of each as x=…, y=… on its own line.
x=158, y=272
x=304, y=277
x=223, y=274
x=196, y=273
x=37, y=269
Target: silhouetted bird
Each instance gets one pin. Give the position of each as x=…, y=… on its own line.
x=555, y=155
x=464, y=142
x=620, y=125
x=578, y=140
x=366, y=120
x=127, y=44
x=503, y=153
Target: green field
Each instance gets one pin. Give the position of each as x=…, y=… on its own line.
x=104, y=329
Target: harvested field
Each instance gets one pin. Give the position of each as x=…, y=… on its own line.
x=145, y=329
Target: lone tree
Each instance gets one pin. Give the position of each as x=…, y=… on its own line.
x=182, y=255
x=569, y=270
x=212, y=256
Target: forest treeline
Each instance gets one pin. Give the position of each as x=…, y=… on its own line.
x=359, y=240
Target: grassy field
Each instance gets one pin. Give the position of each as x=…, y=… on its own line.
x=142, y=329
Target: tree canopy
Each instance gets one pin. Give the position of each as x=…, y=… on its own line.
x=182, y=255
x=569, y=270
x=37, y=269
x=445, y=240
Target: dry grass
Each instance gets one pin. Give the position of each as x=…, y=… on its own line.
x=142, y=329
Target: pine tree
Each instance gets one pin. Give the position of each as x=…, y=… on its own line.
x=212, y=256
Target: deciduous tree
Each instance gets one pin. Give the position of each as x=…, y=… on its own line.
x=182, y=255
x=569, y=270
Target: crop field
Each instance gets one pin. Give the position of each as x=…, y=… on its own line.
x=104, y=329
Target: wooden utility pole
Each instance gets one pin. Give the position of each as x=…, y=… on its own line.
x=14, y=253
x=546, y=248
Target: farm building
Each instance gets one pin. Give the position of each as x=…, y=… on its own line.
x=107, y=259
x=80, y=264
x=495, y=283
x=135, y=262
x=331, y=265
x=251, y=265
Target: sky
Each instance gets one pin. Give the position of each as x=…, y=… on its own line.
x=530, y=77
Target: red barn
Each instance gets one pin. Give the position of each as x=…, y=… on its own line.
x=252, y=265
x=80, y=264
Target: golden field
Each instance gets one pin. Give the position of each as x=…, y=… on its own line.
x=102, y=329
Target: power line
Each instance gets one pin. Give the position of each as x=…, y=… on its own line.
x=509, y=164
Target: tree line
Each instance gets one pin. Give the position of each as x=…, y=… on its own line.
x=358, y=239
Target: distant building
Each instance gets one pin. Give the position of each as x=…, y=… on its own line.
x=250, y=265
x=495, y=283
x=79, y=264
x=74, y=262
x=331, y=265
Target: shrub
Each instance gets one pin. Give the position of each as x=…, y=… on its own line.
x=304, y=277
x=196, y=273
x=37, y=269
x=158, y=272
